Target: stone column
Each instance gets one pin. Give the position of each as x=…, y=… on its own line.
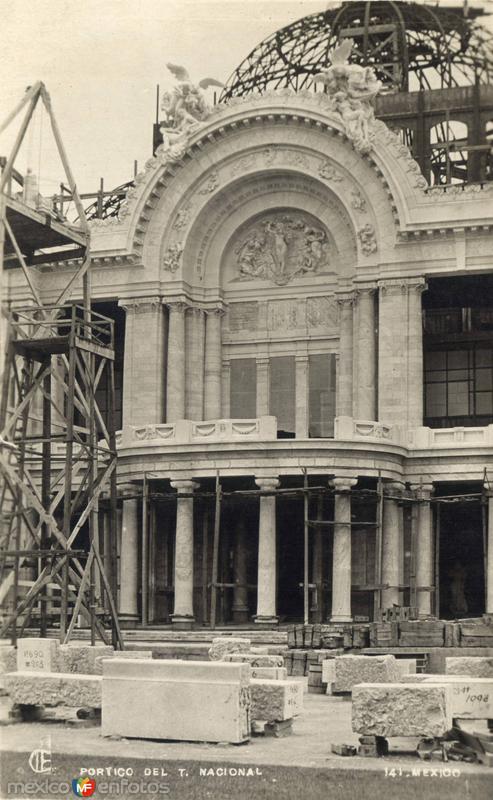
x=240, y=592
x=392, y=555
x=194, y=363
x=301, y=397
x=213, y=365
x=489, y=564
x=144, y=356
x=424, y=548
x=345, y=366
x=341, y=558
x=366, y=360
x=225, y=389
x=267, y=578
x=263, y=386
x=400, y=356
x=129, y=571
x=183, y=616
x=415, y=354
x=175, y=373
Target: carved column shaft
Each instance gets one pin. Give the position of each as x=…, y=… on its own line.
x=345, y=366
x=392, y=550
x=129, y=574
x=415, y=354
x=175, y=394
x=263, y=386
x=143, y=384
x=366, y=360
x=213, y=364
x=225, y=389
x=183, y=608
x=194, y=363
x=341, y=557
x=424, y=548
x=301, y=394
x=267, y=578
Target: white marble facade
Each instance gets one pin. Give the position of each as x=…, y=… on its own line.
x=270, y=235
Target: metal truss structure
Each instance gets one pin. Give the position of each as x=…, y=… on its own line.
x=57, y=448
x=410, y=46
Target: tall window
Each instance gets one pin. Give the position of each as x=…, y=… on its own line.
x=459, y=386
x=321, y=400
x=243, y=392
x=283, y=394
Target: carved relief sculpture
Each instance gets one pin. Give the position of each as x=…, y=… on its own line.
x=368, y=240
x=281, y=248
x=172, y=257
x=352, y=90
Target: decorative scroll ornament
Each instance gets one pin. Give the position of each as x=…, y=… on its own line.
x=186, y=109
x=280, y=249
x=366, y=235
x=352, y=90
x=172, y=257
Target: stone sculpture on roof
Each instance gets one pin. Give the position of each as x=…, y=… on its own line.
x=185, y=107
x=352, y=90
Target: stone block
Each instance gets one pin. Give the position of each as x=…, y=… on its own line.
x=406, y=666
x=255, y=660
x=8, y=663
x=37, y=655
x=410, y=678
x=269, y=673
x=81, y=658
x=55, y=689
x=182, y=700
x=476, y=666
x=412, y=709
x=276, y=700
x=350, y=670
x=223, y=645
x=467, y=697
x=328, y=672
x=98, y=661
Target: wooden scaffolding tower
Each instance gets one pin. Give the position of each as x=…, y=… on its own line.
x=57, y=447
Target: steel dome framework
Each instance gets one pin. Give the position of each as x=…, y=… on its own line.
x=411, y=46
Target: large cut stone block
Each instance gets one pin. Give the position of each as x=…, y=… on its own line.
x=255, y=660
x=477, y=666
x=467, y=697
x=98, y=661
x=81, y=658
x=223, y=645
x=276, y=700
x=182, y=700
x=413, y=709
x=55, y=689
x=406, y=666
x=269, y=673
x=37, y=655
x=350, y=670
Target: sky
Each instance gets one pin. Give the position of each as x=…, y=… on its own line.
x=101, y=61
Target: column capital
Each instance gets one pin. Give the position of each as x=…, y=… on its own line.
x=177, y=306
x=364, y=289
x=126, y=488
x=217, y=311
x=195, y=311
x=268, y=483
x=140, y=305
x=394, y=488
x=423, y=491
x=343, y=483
x=262, y=361
x=345, y=299
x=402, y=285
x=184, y=485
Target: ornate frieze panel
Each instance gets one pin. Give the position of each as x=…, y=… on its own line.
x=242, y=317
x=280, y=247
x=322, y=312
x=283, y=314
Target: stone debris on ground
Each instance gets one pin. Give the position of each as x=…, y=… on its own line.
x=418, y=709
x=222, y=646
